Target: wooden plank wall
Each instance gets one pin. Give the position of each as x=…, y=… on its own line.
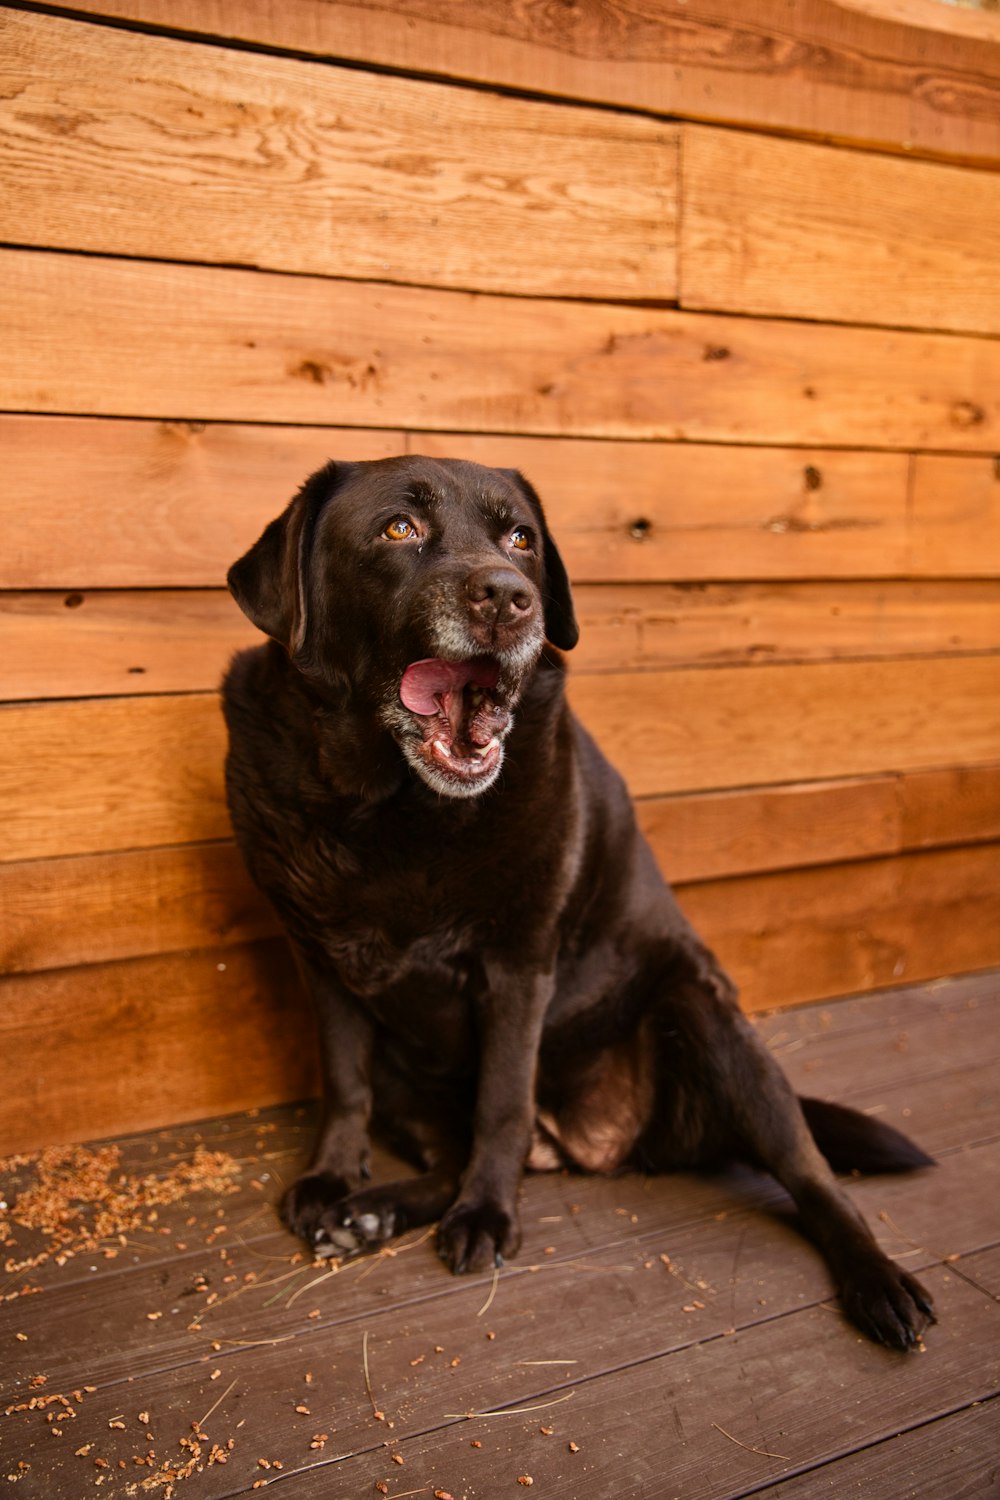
x=723, y=279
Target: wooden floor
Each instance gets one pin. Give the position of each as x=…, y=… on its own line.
x=161, y=1335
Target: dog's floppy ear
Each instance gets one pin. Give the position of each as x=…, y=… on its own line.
x=270, y=582
x=560, y=617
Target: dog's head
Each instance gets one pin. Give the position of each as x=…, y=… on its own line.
x=420, y=591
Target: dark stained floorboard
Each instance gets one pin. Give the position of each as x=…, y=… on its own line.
x=666, y=1373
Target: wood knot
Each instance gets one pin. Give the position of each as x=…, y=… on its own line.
x=967, y=414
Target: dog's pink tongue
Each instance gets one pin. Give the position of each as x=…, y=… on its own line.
x=426, y=683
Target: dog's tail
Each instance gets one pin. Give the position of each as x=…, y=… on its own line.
x=853, y=1142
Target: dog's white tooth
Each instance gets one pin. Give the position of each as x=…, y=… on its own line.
x=485, y=750
x=440, y=745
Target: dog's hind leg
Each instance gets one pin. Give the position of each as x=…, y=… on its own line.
x=722, y=1095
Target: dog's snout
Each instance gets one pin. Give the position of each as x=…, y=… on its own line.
x=498, y=596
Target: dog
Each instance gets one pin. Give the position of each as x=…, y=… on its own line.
x=500, y=974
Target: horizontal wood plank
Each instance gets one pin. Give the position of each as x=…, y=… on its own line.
x=198, y=154
x=136, y=903
x=158, y=503
x=112, y=643
x=911, y=82
x=695, y=730
x=242, y=345
x=146, y=1040
x=90, y=776
x=955, y=513
x=61, y=912
x=789, y=229
x=137, y=1044
x=805, y=935
x=174, y=503
x=955, y=1454
x=753, y=829
x=112, y=774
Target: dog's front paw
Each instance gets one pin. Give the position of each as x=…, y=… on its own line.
x=309, y=1198
x=362, y=1222
x=888, y=1304
x=477, y=1236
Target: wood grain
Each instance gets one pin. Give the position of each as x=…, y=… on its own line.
x=136, y=1044
x=125, y=773
x=98, y=775
x=58, y=913
x=833, y=931
x=787, y=229
x=785, y=938
x=909, y=83
x=956, y=515
x=160, y=503
x=693, y=730
x=174, y=503
x=627, y=511
x=102, y=643
x=199, y=154
x=244, y=346
x=61, y=912
x=708, y=835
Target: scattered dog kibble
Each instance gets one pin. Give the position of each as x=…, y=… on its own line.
x=546, y=1431
x=525, y=1479
x=573, y=1447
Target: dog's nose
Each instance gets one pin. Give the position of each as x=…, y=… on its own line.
x=498, y=596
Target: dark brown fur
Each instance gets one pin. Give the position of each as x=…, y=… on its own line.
x=500, y=974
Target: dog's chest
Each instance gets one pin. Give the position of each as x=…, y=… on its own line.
x=387, y=910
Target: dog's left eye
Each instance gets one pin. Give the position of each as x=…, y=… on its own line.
x=400, y=529
x=521, y=539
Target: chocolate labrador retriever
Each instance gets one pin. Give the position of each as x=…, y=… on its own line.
x=501, y=976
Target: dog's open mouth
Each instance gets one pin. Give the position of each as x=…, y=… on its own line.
x=462, y=717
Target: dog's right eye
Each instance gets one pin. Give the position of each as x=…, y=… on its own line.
x=400, y=529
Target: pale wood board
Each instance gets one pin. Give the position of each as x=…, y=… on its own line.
x=911, y=83
x=788, y=229
x=251, y=345
x=198, y=154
